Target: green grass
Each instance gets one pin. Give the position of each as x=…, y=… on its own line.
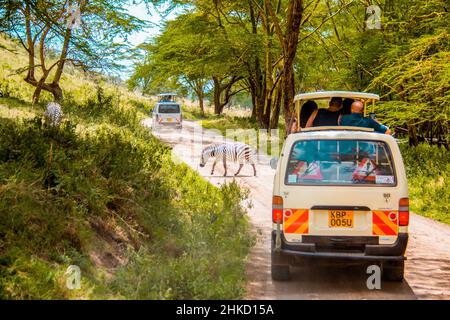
x=428, y=171
x=102, y=193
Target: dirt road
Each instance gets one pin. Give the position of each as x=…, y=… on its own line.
x=427, y=267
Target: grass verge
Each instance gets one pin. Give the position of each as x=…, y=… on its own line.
x=100, y=192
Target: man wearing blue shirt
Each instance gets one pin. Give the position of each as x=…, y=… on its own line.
x=356, y=119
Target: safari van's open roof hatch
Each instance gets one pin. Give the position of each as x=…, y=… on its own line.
x=330, y=94
x=167, y=97
x=323, y=95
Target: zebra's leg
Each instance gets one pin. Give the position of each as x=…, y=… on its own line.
x=225, y=164
x=213, y=166
x=254, y=169
x=240, y=167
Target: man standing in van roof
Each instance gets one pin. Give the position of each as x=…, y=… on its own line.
x=357, y=119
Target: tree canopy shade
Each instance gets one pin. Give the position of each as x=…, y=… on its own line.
x=194, y=53
x=269, y=49
x=88, y=34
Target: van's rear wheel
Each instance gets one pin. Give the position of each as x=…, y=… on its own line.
x=394, y=270
x=280, y=273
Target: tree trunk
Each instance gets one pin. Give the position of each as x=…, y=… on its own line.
x=265, y=119
x=294, y=18
x=276, y=108
x=201, y=105
x=217, y=91
x=200, y=95
x=57, y=92
x=253, y=95
x=36, y=94
x=288, y=96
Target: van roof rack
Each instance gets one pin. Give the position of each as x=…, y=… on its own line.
x=337, y=128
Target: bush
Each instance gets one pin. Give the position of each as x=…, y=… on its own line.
x=428, y=171
x=116, y=192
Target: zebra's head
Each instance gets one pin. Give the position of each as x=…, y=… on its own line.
x=202, y=159
x=206, y=153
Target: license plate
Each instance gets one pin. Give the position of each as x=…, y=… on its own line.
x=340, y=219
x=169, y=119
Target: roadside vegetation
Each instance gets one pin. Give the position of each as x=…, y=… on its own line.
x=100, y=192
x=428, y=171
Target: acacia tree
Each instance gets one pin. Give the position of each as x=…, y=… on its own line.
x=192, y=51
x=404, y=61
x=248, y=23
x=87, y=34
x=175, y=59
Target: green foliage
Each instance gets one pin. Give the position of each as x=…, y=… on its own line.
x=182, y=220
x=111, y=201
x=207, y=258
x=421, y=79
x=428, y=171
x=191, y=50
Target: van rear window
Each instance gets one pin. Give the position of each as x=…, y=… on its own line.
x=169, y=108
x=340, y=163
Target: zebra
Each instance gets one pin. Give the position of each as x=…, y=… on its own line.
x=236, y=152
x=53, y=114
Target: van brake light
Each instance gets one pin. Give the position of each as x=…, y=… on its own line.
x=277, y=209
x=403, y=212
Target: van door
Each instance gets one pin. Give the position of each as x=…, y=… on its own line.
x=335, y=187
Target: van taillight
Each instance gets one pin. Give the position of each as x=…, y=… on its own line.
x=403, y=212
x=277, y=209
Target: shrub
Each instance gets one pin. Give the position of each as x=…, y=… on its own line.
x=428, y=171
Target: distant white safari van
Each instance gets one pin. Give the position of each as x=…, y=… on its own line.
x=167, y=112
x=340, y=193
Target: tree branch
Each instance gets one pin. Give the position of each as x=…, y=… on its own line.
x=325, y=20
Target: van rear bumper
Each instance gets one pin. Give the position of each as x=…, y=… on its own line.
x=170, y=124
x=369, y=252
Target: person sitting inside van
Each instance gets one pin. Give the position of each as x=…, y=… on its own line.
x=307, y=110
x=347, y=106
x=326, y=117
x=357, y=119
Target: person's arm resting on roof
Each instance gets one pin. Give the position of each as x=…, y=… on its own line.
x=378, y=127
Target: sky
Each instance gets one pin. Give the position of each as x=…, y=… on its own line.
x=141, y=11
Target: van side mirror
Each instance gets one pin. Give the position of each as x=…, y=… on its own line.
x=274, y=163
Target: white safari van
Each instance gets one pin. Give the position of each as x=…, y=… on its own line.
x=339, y=193
x=167, y=112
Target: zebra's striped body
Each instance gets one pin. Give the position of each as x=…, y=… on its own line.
x=54, y=114
x=235, y=152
